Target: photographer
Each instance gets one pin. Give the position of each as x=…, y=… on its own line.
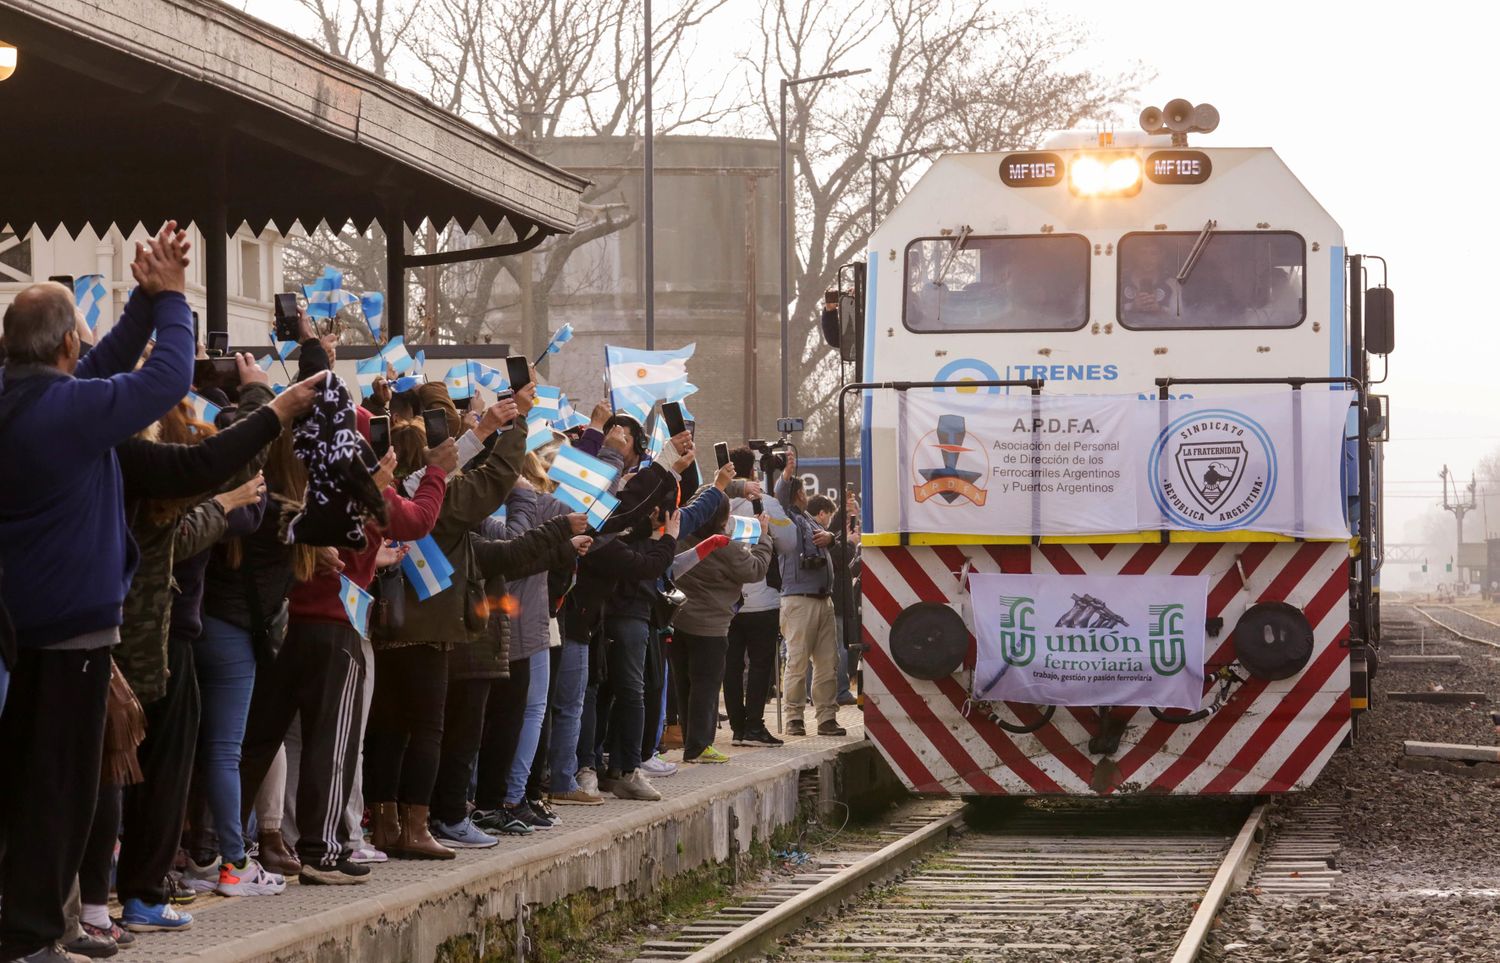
x=755, y=629
x=806, y=609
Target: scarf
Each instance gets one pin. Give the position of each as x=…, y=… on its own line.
x=341, y=493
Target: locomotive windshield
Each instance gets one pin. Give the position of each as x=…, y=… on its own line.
x=1240, y=280
x=966, y=283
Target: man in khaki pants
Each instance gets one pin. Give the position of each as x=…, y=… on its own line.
x=806, y=610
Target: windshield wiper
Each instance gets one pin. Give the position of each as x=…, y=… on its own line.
x=1196, y=252
x=958, y=245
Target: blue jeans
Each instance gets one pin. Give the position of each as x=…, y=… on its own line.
x=567, y=712
x=627, y=678
x=225, y=663
x=531, y=727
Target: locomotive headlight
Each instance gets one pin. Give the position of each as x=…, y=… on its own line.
x=1095, y=176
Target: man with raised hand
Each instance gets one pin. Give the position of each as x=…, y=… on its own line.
x=68, y=560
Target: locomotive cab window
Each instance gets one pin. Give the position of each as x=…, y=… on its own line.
x=1234, y=279
x=1023, y=283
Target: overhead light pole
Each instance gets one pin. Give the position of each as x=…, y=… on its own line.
x=787, y=83
x=649, y=218
x=875, y=163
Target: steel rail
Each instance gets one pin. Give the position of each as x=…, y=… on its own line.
x=1231, y=876
x=1462, y=635
x=751, y=939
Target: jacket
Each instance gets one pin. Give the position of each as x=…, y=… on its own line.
x=64, y=536
x=264, y=559
x=472, y=497
x=487, y=654
x=525, y=509
x=714, y=586
x=611, y=560
x=794, y=543
x=191, y=560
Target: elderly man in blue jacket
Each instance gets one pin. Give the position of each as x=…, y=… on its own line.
x=68, y=559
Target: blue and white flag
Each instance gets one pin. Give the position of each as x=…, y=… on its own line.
x=639, y=377
x=548, y=401
x=745, y=530
x=356, y=605
x=641, y=412
x=203, y=409
x=568, y=417
x=486, y=377
x=561, y=337
x=265, y=363
x=500, y=514
x=420, y=360
x=283, y=349
x=373, y=305
x=659, y=437
x=89, y=293
x=582, y=474
x=457, y=380
x=538, y=429
x=326, y=295
x=600, y=510
x=393, y=353
x=427, y=568
x=366, y=371
x=407, y=383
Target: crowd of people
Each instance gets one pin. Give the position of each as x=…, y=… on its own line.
x=217, y=673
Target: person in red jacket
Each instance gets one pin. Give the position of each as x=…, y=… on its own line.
x=320, y=671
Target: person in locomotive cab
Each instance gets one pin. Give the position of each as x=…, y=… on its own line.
x=1150, y=290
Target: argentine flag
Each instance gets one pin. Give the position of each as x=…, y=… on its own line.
x=427, y=568
x=548, y=401
x=745, y=530
x=356, y=605
x=659, y=436
x=366, y=371
x=563, y=335
x=486, y=377
x=457, y=380
x=538, y=429
x=265, y=363
x=637, y=376
x=568, y=417
x=600, y=510
x=582, y=475
x=372, y=303
x=407, y=383
x=393, y=353
x=326, y=295
x=203, y=409
x=89, y=293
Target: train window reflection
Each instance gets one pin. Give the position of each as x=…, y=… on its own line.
x=1026, y=283
x=1241, y=280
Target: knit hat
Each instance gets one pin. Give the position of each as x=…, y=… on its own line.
x=341, y=492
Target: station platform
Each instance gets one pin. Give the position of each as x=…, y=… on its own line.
x=607, y=855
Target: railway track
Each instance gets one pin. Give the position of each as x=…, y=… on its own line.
x=1450, y=611
x=1039, y=880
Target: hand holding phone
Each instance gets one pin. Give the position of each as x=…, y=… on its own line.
x=721, y=453
x=380, y=434
x=518, y=371
x=671, y=412
x=288, y=325
x=436, y=422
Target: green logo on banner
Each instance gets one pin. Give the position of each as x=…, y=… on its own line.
x=1168, y=645
x=1017, y=631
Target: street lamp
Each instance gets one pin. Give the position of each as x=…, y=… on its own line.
x=786, y=84
x=886, y=159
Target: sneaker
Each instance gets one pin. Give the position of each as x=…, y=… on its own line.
x=794, y=729
x=504, y=820
x=249, y=878
x=142, y=917
x=204, y=878
x=848, y=699
x=540, y=807
x=658, y=767
x=345, y=872
x=738, y=739
x=760, y=737
x=461, y=835
x=709, y=754
x=635, y=786
x=53, y=953
x=363, y=852
x=121, y=937
x=831, y=729
x=177, y=889
x=89, y=946
x=576, y=797
x=532, y=817
x=588, y=781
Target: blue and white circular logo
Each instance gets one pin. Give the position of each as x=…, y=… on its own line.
x=962, y=370
x=1213, y=470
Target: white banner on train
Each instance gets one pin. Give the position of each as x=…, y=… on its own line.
x=1095, y=464
x=1090, y=640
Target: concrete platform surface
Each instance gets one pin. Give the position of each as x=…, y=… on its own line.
x=408, y=908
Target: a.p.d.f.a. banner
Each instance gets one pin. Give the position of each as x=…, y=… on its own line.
x=1090, y=640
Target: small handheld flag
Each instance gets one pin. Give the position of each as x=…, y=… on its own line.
x=561, y=337
x=659, y=437
x=89, y=293
x=407, y=383
x=640, y=378
x=548, y=401
x=203, y=409
x=373, y=305
x=457, y=380
x=745, y=530
x=581, y=473
x=486, y=377
x=326, y=295
x=538, y=429
x=568, y=417
x=393, y=353
x=598, y=512
x=356, y=605
x=427, y=568
x=366, y=371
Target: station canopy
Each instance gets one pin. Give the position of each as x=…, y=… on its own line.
x=129, y=112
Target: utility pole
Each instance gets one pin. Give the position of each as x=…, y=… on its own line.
x=1459, y=509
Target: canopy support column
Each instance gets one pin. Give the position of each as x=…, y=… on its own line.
x=215, y=230
x=395, y=273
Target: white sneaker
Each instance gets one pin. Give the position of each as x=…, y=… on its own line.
x=588, y=781
x=635, y=786
x=250, y=879
x=658, y=767
x=202, y=879
x=363, y=852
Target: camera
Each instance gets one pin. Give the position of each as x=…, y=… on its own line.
x=787, y=426
x=806, y=562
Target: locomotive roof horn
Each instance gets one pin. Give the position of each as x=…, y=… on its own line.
x=1180, y=118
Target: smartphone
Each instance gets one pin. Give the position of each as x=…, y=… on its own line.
x=66, y=280
x=518, y=371
x=380, y=434
x=287, y=326
x=218, y=341
x=436, y=420
x=721, y=453
x=671, y=413
x=197, y=328
x=221, y=373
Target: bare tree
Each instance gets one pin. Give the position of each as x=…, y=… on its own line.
x=943, y=72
